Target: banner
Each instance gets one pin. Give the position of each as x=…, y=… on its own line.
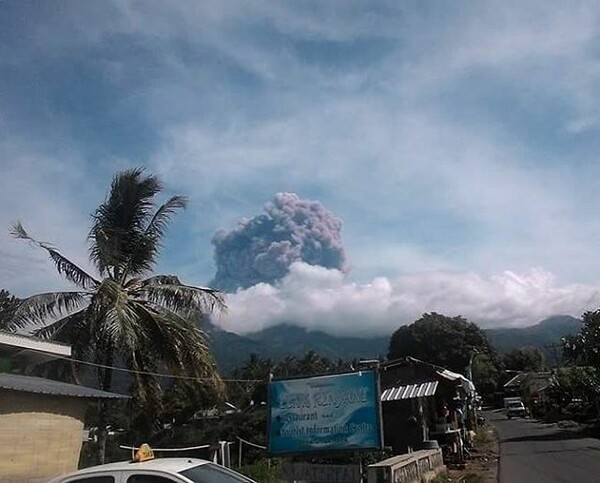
x=324, y=413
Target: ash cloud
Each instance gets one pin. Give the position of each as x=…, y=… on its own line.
x=262, y=249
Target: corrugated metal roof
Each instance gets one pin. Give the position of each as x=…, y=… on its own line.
x=517, y=380
x=39, y=385
x=27, y=342
x=410, y=391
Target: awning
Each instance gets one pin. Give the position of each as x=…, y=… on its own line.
x=410, y=391
x=454, y=376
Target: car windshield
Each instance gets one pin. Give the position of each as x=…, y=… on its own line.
x=211, y=473
x=515, y=405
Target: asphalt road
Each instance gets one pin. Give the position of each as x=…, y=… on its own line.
x=532, y=452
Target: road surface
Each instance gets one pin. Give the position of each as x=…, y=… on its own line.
x=532, y=452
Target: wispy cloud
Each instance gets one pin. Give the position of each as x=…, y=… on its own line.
x=448, y=137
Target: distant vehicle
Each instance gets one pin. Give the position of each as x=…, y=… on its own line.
x=160, y=470
x=516, y=408
x=508, y=400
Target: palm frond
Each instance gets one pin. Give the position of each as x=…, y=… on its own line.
x=72, y=330
x=162, y=280
x=8, y=305
x=110, y=313
x=146, y=250
x=68, y=329
x=181, y=298
x=120, y=221
x=176, y=343
x=120, y=326
x=37, y=309
x=187, y=342
x=65, y=267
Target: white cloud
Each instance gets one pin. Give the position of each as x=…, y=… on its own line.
x=321, y=299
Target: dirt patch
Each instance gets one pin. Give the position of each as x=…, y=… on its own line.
x=482, y=463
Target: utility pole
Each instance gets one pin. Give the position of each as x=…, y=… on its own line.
x=469, y=368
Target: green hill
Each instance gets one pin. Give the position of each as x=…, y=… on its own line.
x=283, y=340
x=232, y=350
x=549, y=331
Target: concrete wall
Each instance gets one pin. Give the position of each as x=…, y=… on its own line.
x=418, y=467
x=40, y=435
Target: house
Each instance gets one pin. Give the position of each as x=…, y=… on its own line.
x=532, y=388
x=421, y=402
x=42, y=420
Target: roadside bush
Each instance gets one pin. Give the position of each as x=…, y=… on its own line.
x=260, y=471
x=483, y=436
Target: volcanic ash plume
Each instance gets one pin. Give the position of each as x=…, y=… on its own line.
x=262, y=248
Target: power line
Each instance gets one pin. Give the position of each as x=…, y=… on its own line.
x=145, y=373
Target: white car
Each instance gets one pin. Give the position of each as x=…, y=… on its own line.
x=160, y=470
x=516, y=408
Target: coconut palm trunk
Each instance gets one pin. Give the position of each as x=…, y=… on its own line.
x=105, y=382
x=123, y=312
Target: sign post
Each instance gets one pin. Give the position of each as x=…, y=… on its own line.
x=320, y=414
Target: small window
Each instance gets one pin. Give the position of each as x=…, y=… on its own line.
x=148, y=479
x=94, y=479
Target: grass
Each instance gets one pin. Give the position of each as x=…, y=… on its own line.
x=261, y=471
x=441, y=478
x=483, y=436
x=468, y=478
x=472, y=478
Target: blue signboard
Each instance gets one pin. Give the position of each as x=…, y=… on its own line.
x=324, y=413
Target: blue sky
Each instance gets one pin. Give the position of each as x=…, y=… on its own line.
x=457, y=141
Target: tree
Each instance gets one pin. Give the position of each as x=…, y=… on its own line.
x=257, y=371
x=450, y=342
x=253, y=376
x=582, y=351
x=8, y=306
x=524, y=359
x=148, y=323
x=584, y=348
x=487, y=375
x=577, y=382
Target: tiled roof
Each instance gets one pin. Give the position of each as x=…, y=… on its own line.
x=39, y=385
x=410, y=391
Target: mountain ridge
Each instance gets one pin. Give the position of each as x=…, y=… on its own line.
x=286, y=339
x=545, y=333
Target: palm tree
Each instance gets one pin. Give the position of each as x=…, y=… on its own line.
x=8, y=304
x=123, y=314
